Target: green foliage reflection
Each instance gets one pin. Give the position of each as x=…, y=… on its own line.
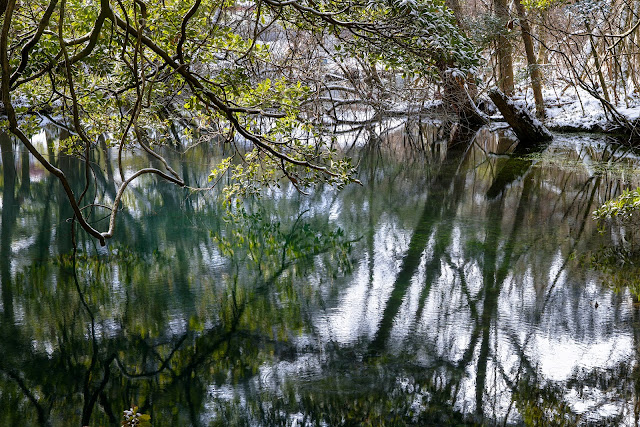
x=270, y=249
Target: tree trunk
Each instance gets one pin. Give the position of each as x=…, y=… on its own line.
x=458, y=97
x=529, y=131
x=456, y=8
x=542, y=33
x=534, y=69
x=505, y=59
x=460, y=93
x=597, y=63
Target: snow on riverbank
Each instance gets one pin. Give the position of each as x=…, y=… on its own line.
x=576, y=109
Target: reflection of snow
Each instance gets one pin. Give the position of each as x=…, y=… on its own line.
x=39, y=140
x=559, y=357
x=18, y=245
x=271, y=377
x=362, y=303
x=177, y=323
x=594, y=405
x=544, y=321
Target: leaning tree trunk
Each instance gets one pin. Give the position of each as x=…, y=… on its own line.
x=528, y=129
x=534, y=68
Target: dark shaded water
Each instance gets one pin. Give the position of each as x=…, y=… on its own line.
x=448, y=289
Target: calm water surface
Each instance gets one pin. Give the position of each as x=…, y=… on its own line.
x=449, y=289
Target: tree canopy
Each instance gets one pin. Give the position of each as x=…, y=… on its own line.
x=254, y=75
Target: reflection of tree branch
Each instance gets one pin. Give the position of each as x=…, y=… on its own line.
x=42, y=415
x=519, y=350
x=90, y=403
x=511, y=384
x=164, y=365
x=106, y=406
x=432, y=211
x=471, y=301
x=90, y=398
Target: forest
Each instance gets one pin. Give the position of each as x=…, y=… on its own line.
x=302, y=212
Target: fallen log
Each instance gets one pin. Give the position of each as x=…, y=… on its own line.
x=529, y=130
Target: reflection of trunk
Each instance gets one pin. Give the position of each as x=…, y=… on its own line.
x=107, y=159
x=512, y=170
x=43, y=238
x=442, y=236
x=26, y=173
x=491, y=292
x=505, y=60
x=432, y=213
x=494, y=276
x=519, y=217
x=9, y=214
x=371, y=231
x=65, y=212
x=534, y=68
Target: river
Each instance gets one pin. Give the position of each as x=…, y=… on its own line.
x=452, y=287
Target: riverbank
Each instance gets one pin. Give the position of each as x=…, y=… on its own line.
x=575, y=110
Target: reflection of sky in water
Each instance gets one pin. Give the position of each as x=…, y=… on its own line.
x=359, y=309
x=446, y=323
x=546, y=311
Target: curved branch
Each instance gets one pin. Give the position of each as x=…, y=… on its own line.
x=136, y=130
x=114, y=210
x=13, y=126
x=95, y=33
x=28, y=47
x=183, y=30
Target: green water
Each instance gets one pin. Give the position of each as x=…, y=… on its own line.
x=448, y=289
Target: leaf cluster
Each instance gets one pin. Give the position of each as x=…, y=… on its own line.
x=625, y=207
